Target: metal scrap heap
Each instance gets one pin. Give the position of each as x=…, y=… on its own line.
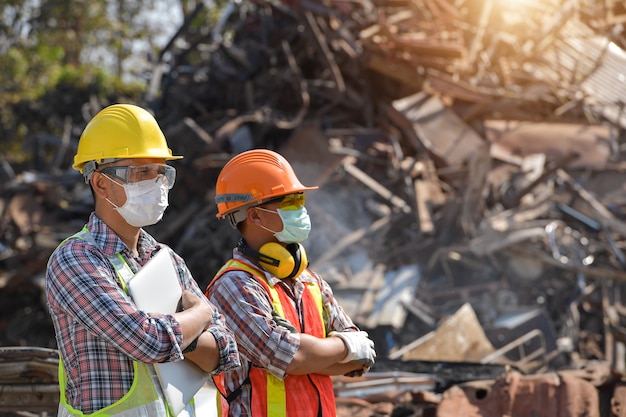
x=471, y=211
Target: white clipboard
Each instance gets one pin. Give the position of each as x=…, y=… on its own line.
x=155, y=288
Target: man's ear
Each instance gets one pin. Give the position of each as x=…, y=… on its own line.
x=98, y=185
x=252, y=215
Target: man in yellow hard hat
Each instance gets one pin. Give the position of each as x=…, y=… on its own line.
x=106, y=343
x=290, y=330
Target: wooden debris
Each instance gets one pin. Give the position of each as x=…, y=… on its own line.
x=475, y=143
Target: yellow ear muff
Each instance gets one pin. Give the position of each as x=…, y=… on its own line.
x=291, y=259
x=299, y=254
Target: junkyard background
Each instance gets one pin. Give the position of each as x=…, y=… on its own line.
x=471, y=211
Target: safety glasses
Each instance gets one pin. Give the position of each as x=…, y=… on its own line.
x=131, y=174
x=289, y=201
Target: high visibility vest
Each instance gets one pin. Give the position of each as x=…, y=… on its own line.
x=310, y=395
x=144, y=398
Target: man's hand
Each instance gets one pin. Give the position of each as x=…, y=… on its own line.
x=196, y=316
x=360, y=347
x=191, y=301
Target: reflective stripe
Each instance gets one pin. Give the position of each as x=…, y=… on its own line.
x=234, y=264
x=276, y=397
x=141, y=400
x=145, y=397
x=122, y=269
x=148, y=410
x=316, y=292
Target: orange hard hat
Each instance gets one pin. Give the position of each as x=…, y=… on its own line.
x=252, y=177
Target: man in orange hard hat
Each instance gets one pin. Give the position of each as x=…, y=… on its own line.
x=291, y=332
x=106, y=344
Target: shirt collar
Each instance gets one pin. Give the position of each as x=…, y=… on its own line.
x=111, y=244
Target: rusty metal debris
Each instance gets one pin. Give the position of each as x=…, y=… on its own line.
x=470, y=157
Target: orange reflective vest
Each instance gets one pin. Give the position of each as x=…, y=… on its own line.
x=297, y=395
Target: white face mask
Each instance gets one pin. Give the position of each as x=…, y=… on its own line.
x=146, y=202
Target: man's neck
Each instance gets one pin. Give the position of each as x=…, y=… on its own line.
x=130, y=237
x=127, y=233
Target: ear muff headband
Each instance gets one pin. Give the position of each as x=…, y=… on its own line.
x=280, y=261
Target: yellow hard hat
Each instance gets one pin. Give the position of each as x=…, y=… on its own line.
x=121, y=131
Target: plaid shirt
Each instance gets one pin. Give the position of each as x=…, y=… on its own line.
x=247, y=308
x=100, y=332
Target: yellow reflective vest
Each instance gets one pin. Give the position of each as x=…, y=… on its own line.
x=145, y=397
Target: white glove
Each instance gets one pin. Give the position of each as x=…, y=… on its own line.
x=360, y=347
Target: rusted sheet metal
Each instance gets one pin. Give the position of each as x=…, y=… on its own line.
x=517, y=395
x=459, y=338
x=441, y=130
x=590, y=143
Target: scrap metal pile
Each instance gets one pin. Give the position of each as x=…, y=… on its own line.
x=471, y=209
